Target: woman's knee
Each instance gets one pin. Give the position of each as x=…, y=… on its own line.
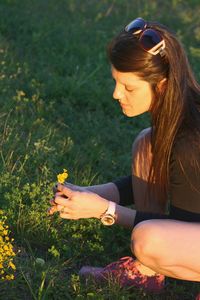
x=146, y=238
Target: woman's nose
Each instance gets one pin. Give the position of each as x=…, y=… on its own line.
x=117, y=93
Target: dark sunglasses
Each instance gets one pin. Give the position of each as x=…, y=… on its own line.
x=150, y=40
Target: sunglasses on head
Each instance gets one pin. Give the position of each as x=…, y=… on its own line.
x=150, y=40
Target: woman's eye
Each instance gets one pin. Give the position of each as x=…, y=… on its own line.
x=129, y=90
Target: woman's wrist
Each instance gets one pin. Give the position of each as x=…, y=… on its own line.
x=102, y=208
x=122, y=215
x=125, y=216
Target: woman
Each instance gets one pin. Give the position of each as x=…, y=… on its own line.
x=151, y=73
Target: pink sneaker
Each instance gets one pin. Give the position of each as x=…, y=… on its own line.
x=197, y=297
x=125, y=272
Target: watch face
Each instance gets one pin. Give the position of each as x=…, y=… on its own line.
x=108, y=220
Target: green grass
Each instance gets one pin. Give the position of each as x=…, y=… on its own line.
x=57, y=112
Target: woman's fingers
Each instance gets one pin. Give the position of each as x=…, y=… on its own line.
x=58, y=208
x=62, y=209
x=65, y=190
x=59, y=200
x=52, y=201
x=52, y=210
x=64, y=212
x=71, y=186
x=64, y=215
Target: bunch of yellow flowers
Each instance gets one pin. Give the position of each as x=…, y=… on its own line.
x=7, y=253
x=62, y=177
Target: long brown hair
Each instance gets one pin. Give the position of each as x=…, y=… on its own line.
x=175, y=109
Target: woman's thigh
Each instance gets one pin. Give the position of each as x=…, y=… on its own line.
x=173, y=244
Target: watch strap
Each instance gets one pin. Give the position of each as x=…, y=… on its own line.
x=108, y=218
x=111, y=208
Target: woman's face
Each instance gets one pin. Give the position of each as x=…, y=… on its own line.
x=133, y=93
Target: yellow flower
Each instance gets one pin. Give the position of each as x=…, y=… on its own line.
x=5, y=232
x=7, y=267
x=6, y=247
x=10, y=264
x=10, y=277
x=62, y=177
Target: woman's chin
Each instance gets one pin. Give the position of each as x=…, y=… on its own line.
x=130, y=113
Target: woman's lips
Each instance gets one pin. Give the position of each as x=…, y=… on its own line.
x=123, y=104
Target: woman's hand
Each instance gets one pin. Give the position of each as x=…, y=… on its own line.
x=72, y=187
x=73, y=204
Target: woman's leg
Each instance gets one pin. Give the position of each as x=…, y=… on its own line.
x=168, y=247
x=141, y=163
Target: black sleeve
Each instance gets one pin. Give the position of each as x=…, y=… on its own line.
x=124, y=185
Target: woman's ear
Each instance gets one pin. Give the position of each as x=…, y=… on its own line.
x=162, y=85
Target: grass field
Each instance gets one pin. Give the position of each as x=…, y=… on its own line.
x=57, y=112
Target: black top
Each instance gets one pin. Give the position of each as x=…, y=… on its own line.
x=184, y=187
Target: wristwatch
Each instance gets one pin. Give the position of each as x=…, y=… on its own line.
x=108, y=218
